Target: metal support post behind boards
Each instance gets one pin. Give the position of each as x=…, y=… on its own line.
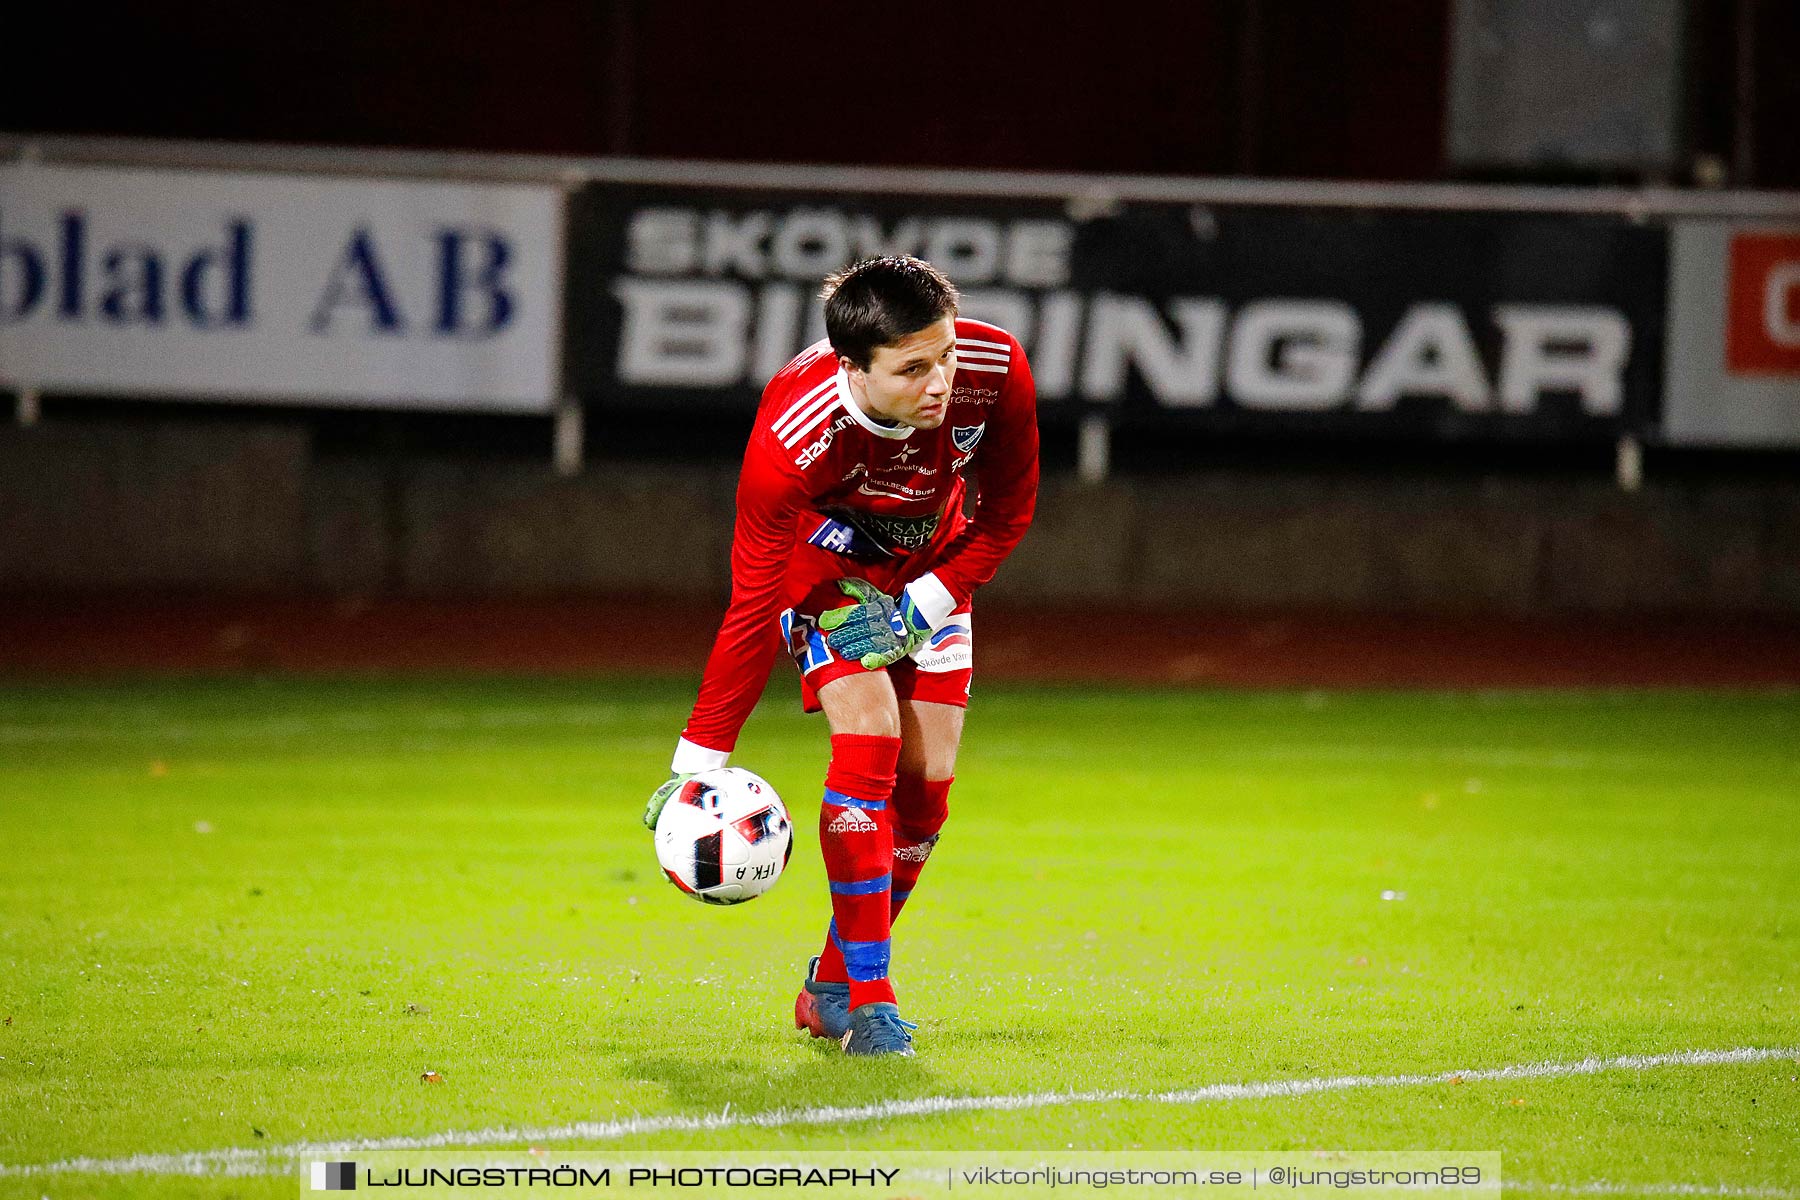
x=568, y=441
x=1093, y=450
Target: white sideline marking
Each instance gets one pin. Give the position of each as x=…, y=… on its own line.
x=274, y=1160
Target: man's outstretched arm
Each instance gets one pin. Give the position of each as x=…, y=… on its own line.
x=769, y=503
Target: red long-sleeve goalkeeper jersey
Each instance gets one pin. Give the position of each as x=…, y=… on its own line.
x=814, y=452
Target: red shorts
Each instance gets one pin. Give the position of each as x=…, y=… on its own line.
x=940, y=671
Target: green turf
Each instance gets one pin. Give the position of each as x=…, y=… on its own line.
x=251, y=913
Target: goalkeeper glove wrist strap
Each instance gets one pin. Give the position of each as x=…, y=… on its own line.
x=691, y=758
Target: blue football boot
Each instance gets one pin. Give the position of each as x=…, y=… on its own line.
x=878, y=1029
x=822, y=1008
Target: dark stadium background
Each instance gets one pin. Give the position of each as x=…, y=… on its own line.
x=1275, y=88
x=1257, y=89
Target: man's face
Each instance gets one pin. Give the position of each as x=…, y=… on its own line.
x=909, y=381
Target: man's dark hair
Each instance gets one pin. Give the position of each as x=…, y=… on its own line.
x=879, y=301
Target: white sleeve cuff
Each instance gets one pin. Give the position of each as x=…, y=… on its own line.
x=932, y=598
x=691, y=758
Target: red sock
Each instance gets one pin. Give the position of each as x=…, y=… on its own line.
x=857, y=840
x=920, y=806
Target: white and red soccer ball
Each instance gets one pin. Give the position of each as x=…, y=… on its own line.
x=724, y=837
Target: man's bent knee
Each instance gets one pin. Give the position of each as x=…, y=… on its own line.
x=932, y=733
x=862, y=704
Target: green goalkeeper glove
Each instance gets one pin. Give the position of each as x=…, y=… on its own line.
x=915, y=631
x=867, y=629
x=662, y=796
x=875, y=630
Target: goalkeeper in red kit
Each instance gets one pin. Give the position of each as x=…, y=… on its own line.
x=853, y=552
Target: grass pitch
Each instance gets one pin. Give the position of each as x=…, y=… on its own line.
x=248, y=913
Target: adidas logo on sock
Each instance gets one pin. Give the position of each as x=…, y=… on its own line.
x=918, y=852
x=852, y=820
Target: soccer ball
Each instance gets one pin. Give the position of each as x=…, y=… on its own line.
x=724, y=837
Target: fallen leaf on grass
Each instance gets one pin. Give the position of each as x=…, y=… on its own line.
x=1456, y=1079
x=1517, y=1102
x=431, y=1077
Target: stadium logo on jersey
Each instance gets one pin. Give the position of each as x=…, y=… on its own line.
x=964, y=437
x=824, y=440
